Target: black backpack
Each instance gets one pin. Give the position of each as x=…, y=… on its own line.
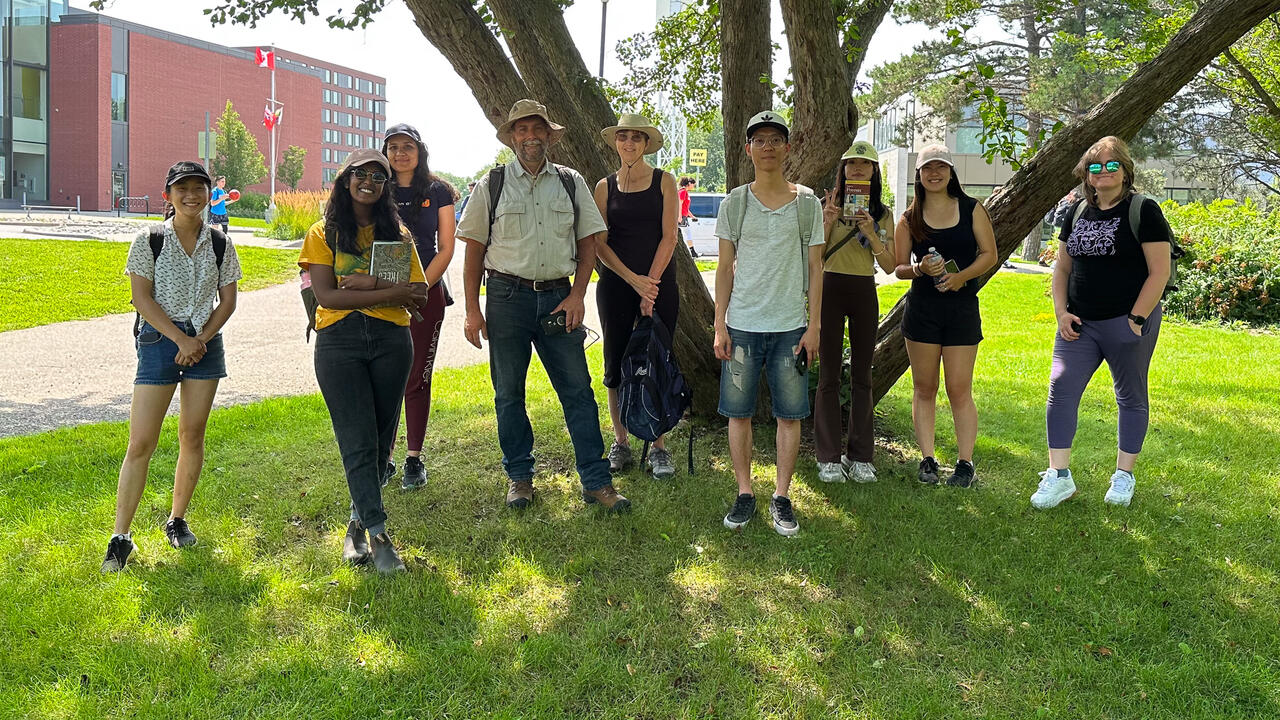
x=309, y=302
x=155, y=236
x=653, y=396
x=1135, y=222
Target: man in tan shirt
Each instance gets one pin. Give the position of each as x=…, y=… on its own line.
x=537, y=235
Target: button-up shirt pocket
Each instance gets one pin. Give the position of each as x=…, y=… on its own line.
x=508, y=219
x=562, y=218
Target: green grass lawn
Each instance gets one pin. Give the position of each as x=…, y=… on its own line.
x=50, y=281
x=232, y=220
x=895, y=601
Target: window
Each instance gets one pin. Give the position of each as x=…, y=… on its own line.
x=119, y=98
x=380, y=125
x=353, y=140
x=365, y=86
x=326, y=154
x=27, y=98
x=379, y=89
x=364, y=122
x=346, y=81
x=348, y=120
x=368, y=105
x=324, y=114
x=328, y=77
x=373, y=143
x=330, y=174
x=30, y=31
x=705, y=206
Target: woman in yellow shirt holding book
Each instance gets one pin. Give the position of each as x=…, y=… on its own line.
x=858, y=227
x=366, y=291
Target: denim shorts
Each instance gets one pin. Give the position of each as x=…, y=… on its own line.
x=156, y=353
x=774, y=353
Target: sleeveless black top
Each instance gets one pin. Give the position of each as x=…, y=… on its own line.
x=635, y=226
x=954, y=243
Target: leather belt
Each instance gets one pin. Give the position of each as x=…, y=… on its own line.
x=535, y=285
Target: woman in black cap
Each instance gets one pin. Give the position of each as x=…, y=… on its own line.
x=425, y=203
x=176, y=273
x=363, y=349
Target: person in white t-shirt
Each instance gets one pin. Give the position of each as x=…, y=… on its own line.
x=771, y=238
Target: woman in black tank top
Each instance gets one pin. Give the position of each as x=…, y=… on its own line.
x=641, y=209
x=941, y=322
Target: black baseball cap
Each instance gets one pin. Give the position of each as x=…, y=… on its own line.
x=402, y=129
x=185, y=169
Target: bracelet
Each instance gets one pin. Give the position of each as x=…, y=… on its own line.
x=915, y=269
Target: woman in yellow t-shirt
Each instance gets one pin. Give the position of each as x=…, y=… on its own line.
x=363, y=347
x=859, y=234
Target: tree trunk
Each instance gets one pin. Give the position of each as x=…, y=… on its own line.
x=1045, y=178
x=1035, y=121
x=824, y=119
x=745, y=58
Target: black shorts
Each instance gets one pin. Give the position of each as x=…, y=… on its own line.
x=946, y=319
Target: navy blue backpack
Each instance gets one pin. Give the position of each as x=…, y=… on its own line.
x=653, y=396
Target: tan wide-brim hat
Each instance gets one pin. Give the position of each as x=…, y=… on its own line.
x=364, y=157
x=629, y=121
x=528, y=108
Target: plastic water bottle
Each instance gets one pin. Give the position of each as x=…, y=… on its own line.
x=933, y=252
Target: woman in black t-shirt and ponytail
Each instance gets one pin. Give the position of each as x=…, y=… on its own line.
x=1107, y=285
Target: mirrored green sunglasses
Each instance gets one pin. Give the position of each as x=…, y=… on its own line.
x=1111, y=166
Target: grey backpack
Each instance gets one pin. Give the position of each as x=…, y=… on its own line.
x=736, y=212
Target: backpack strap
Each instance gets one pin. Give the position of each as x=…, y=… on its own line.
x=219, y=239
x=1135, y=214
x=155, y=234
x=805, y=200
x=736, y=212
x=571, y=187
x=497, y=176
x=1077, y=211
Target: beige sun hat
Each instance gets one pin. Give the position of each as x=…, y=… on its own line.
x=528, y=108
x=934, y=152
x=629, y=121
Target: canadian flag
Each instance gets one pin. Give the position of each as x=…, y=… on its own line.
x=272, y=119
x=266, y=59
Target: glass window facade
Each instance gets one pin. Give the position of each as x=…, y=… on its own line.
x=24, y=96
x=119, y=97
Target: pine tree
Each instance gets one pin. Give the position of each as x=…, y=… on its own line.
x=292, y=166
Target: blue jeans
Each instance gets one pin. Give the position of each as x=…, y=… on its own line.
x=362, y=364
x=512, y=313
x=773, y=352
x=156, y=353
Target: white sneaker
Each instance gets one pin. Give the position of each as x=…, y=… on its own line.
x=858, y=471
x=830, y=472
x=1121, y=490
x=1052, y=490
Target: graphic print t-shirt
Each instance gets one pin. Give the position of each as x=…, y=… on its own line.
x=1108, y=267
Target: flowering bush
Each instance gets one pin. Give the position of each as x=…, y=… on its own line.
x=1231, y=271
x=296, y=212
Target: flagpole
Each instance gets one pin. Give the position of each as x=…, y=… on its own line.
x=273, y=133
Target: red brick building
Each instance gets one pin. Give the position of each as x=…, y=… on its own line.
x=129, y=100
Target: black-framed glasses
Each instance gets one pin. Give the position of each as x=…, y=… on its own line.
x=360, y=174
x=1097, y=168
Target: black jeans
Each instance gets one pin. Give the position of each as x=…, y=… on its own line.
x=362, y=364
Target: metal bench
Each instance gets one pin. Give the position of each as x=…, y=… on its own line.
x=52, y=208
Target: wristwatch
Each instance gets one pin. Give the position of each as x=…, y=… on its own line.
x=1137, y=319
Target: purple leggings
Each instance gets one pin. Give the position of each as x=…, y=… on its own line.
x=1074, y=363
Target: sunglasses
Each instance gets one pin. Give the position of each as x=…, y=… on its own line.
x=361, y=175
x=1111, y=166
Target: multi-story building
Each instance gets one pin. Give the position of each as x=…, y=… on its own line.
x=129, y=100
x=24, y=123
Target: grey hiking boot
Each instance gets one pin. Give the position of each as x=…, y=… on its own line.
x=355, y=545
x=385, y=557
x=619, y=456
x=661, y=465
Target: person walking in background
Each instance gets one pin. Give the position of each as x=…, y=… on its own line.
x=686, y=216
x=639, y=204
x=425, y=204
x=182, y=280
x=533, y=224
x=363, y=345
x=1107, y=285
x=853, y=247
x=471, y=188
x=771, y=235
x=950, y=236
x=219, y=199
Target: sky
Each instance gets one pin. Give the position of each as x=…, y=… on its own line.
x=422, y=88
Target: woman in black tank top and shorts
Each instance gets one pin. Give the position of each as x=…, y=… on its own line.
x=641, y=209
x=941, y=322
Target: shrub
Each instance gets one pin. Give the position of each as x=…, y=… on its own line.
x=1231, y=271
x=250, y=205
x=296, y=212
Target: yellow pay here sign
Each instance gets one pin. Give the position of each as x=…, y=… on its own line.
x=698, y=157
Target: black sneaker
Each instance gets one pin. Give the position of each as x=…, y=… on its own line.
x=963, y=476
x=415, y=475
x=693, y=253
x=117, y=554
x=179, y=533
x=743, y=508
x=388, y=472
x=928, y=471
x=784, y=518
